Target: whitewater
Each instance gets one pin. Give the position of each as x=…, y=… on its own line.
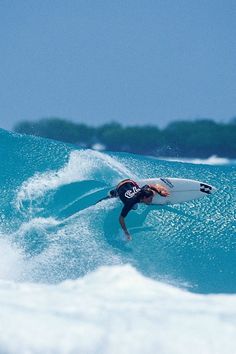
x=70, y=283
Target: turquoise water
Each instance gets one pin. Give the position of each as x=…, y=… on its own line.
x=51, y=232
x=44, y=182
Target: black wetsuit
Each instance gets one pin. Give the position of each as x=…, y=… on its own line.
x=130, y=194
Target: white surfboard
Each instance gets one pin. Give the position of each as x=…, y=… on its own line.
x=181, y=190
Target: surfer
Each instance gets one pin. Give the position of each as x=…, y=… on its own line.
x=130, y=193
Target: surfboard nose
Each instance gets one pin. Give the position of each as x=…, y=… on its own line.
x=214, y=189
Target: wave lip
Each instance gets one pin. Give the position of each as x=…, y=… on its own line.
x=82, y=165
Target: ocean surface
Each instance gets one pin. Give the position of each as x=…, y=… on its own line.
x=70, y=283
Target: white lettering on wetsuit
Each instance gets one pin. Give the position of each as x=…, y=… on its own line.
x=131, y=193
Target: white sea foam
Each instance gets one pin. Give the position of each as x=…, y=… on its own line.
x=11, y=260
x=36, y=223
x=212, y=160
x=111, y=311
x=14, y=264
x=82, y=165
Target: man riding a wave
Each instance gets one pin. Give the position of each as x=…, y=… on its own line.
x=130, y=193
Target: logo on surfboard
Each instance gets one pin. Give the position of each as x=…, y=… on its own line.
x=205, y=188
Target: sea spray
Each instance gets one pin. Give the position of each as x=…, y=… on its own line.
x=68, y=275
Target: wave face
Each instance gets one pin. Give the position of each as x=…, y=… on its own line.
x=49, y=220
x=52, y=231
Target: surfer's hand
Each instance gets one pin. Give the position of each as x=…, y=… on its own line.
x=128, y=236
x=162, y=191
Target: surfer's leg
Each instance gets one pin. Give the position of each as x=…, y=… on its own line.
x=105, y=198
x=111, y=194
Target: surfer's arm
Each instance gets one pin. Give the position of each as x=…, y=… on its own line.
x=112, y=194
x=124, y=212
x=124, y=228
x=160, y=190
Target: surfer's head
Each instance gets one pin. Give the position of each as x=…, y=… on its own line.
x=146, y=195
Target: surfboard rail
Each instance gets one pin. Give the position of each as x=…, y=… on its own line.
x=181, y=190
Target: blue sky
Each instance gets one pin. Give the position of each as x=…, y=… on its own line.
x=135, y=62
